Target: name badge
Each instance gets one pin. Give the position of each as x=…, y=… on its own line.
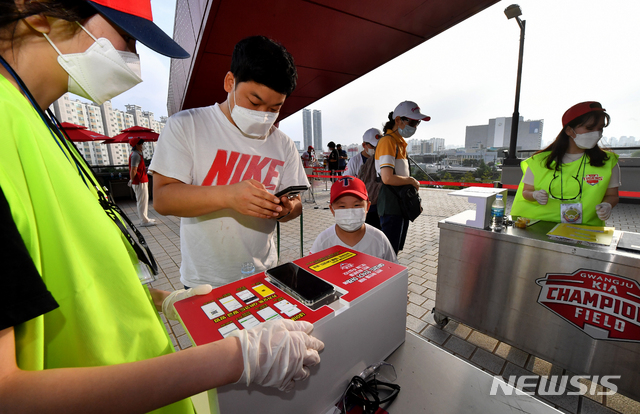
x=571, y=213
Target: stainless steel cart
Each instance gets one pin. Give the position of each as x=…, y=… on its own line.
x=520, y=287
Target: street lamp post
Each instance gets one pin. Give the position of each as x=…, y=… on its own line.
x=511, y=12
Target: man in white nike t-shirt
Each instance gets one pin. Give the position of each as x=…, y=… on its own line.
x=218, y=167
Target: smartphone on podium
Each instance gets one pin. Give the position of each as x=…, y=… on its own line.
x=299, y=283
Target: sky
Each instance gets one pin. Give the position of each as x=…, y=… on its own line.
x=574, y=51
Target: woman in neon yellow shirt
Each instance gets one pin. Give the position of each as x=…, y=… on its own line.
x=78, y=331
x=573, y=180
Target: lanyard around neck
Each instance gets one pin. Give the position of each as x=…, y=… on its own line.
x=110, y=208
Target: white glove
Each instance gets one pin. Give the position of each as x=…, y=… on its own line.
x=167, y=305
x=603, y=210
x=129, y=183
x=277, y=353
x=541, y=197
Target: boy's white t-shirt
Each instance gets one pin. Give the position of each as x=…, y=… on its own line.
x=202, y=147
x=374, y=243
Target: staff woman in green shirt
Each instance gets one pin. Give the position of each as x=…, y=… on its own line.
x=78, y=331
x=573, y=180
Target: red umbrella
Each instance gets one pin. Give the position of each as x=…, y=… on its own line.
x=128, y=134
x=79, y=133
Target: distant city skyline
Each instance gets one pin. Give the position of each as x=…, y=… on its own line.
x=106, y=120
x=307, y=128
x=467, y=74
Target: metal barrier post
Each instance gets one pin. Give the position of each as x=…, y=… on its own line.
x=301, y=234
x=309, y=196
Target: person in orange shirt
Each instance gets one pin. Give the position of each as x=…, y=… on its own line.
x=392, y=165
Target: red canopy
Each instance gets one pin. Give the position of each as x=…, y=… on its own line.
x=128, y=134
x=79, y=133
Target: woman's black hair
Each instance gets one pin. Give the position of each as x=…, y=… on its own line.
x=390, y=123
x=260, y=59
x=71, y=10
x=558, y=148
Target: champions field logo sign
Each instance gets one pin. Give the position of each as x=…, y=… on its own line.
x=602, y=305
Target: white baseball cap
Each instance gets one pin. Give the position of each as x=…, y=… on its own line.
x=411, y=110
x=371, y=136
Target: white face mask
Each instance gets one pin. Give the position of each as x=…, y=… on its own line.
x=371, y=151
x=588, y=140
x=253, y=124
x=101, y=72
x=350, y=219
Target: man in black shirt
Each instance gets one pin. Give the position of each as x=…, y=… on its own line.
x=342, y=160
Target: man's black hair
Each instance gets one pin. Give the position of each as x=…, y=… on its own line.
x=331, y=145
x=260, y=59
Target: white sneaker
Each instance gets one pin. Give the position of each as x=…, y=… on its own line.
x=149, y=223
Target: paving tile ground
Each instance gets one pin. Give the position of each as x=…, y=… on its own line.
x=420, y=255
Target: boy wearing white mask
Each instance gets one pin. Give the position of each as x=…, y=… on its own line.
x=218, y=168
x=349, y=205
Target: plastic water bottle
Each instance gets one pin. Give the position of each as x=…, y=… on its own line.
x=247, y=269
x=497, y=213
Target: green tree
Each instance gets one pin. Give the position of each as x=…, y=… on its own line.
x=419, y=175
x=483, y=171
x=468, y=177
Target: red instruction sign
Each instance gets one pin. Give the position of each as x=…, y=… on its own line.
x=348, y=270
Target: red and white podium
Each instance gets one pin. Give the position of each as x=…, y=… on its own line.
x=361, y=327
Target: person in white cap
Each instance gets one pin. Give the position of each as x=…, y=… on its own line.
x=392, y=166
x=363, y=167
x=369, y=143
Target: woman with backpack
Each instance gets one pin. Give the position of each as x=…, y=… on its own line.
x=392, y=165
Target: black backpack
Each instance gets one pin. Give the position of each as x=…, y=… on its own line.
x=369, y=176
x=409, y=200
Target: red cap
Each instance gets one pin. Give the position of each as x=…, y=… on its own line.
x=349, y=185
x=134, y=17
x=135, y=141
x=580, y=109
x=310, y=147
